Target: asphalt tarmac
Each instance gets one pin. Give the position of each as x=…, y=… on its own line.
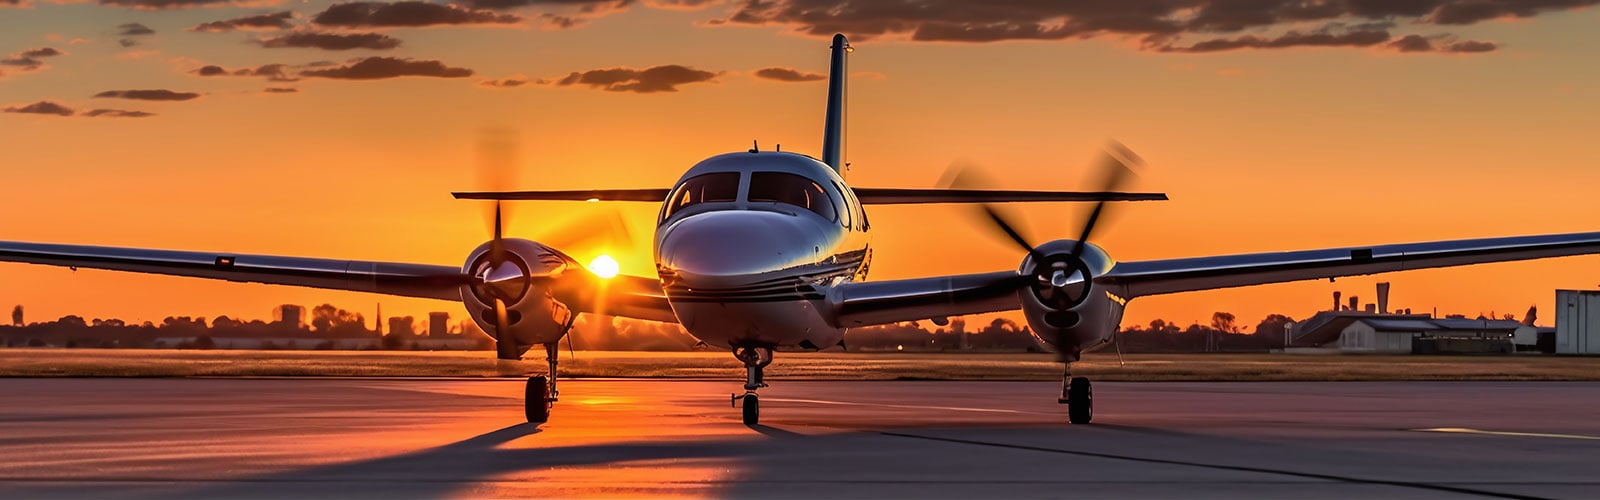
x=386, y=438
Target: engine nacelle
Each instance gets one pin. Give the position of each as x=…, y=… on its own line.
x=1064, y=308
x=534, y=316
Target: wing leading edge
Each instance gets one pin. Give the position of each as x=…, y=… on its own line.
x=1154, y=277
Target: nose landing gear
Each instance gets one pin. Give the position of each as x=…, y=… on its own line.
x=754, y=359
x=540, y=393
x=1078, y=395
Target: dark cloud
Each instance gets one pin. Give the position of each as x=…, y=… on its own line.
x=149, y=95
x=128, y=42
x=272, y=72
x=259, y=22
x=1165, y=25
x=374, y=68
x=408, y=13
x=164, y=4
x=134, y=29
x=41, y=108
x=509, y=82
x=655, y=79
x=118, y=113
x=332, y=41
x=1357, y=38
x=280, y=90
x=31, y=59
x=1440, y=43
x=788, y=75
x=558, y=14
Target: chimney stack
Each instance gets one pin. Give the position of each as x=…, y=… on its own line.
x=1383, y=298
x=1355, y=303
x=1335, y=301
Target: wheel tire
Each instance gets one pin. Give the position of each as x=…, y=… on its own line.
x=537, y=400
x=752, y=409
x=1080, y=400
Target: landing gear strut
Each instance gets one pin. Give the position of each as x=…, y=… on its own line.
x=1078, y=395
x=541, y=393
x=754, y=359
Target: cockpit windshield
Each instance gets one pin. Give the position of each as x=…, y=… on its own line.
x=793, y=190
x=720, y=186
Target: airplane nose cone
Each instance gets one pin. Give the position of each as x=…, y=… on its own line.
x=734, y=248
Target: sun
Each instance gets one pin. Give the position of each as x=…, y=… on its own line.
x=604, y=266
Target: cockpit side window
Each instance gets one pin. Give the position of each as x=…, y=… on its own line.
x=791, y=189
x=715, y=187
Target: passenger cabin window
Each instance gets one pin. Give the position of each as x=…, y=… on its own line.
x=721, y=186
x=794, y=190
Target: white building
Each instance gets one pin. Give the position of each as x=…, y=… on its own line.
x=1577, y=322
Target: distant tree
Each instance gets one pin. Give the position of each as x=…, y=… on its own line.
x=1272, y=325
x=204, y=342
x=16, y=315
x=1223, y=322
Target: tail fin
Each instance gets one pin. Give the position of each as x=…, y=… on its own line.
x=833, y=128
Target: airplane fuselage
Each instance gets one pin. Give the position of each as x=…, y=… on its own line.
x=748, y=243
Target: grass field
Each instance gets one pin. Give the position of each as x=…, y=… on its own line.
x=822, y=366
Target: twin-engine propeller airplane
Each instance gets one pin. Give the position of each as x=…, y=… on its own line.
x=764, y=249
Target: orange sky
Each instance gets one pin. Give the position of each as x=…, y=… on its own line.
x=1290, y=142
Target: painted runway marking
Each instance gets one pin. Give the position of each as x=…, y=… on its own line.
x=1463, y=430
x=912, y=407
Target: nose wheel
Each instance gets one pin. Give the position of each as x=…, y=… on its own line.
x=540, y=393
x=1078, y=395
x=754, y=359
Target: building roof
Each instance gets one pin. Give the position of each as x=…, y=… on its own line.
x=1326, y=326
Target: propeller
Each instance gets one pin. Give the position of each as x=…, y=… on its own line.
x=1058, y=282
x=498, y=277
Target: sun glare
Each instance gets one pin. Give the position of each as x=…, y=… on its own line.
x=604, y=266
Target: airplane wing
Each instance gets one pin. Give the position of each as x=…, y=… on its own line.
x=1154, y=277
x=652, y=195
x=881, y=302
x=621, y=296
x=899, y=196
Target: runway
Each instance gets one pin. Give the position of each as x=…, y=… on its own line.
x=385, y=438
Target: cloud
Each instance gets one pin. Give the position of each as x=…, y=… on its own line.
x=258, y=22
x=149, y=95
x=31, y=59
x=332, y=41
x=118, y=113
x=788, y=75
x=280, y=90
x=41, y=108
x=1356, y=38
x=272, y=72
x=510, y=82
x=655, y=79
x=374, y=68
x=1161, y=25
x=13, y=3
x=134, y=29
x=565, y=14
x=169, y=4
x=1440, y=43
x=406, y=14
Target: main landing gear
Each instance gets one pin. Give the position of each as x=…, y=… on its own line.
x=1078, y=395
x=540, y=394
x=754, y=359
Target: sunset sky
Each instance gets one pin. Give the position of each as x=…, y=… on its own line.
x=318, y=129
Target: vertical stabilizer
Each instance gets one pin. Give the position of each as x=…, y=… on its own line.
x=833, y=128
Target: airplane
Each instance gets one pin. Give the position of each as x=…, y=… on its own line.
x=758, y=250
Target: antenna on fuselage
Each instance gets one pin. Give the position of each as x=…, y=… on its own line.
x=755, y=146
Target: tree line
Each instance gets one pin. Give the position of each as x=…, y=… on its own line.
x=606, y=333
